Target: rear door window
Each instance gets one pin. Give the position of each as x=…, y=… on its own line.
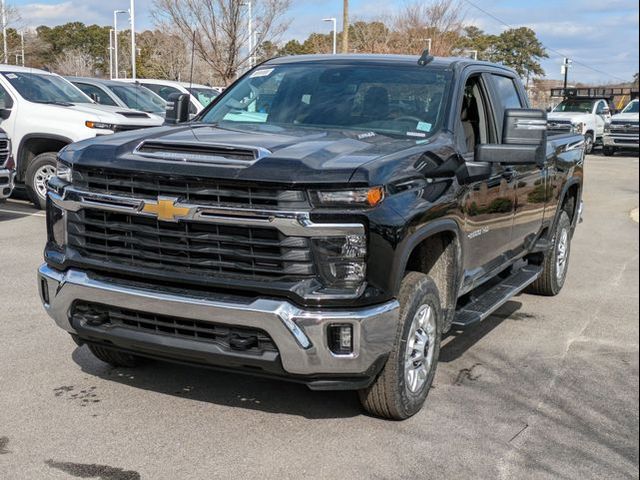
x=507, y=92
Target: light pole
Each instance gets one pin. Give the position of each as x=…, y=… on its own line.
x=4, y=31
x=22, y=47
x=565, y=70
x=111, y=53
x=115, y=39
x=335, y=33
x=132, y=17
x=250, y=39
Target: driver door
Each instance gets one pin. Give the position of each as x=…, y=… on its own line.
x=603, y=115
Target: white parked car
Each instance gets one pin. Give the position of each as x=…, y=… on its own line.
x=42, y=113
x=623, y=131
x=201, y=95
x=116, y=93
x=7, y=171
x=583, y=115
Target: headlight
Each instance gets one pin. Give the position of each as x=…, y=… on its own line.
x=341, y=263
x=577, y=127
x=359, y=197
x=64, y=171
x=99, y=125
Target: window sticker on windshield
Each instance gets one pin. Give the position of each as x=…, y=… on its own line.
x=264, y=72
x=12, y=76
x=416, y=134
x=424, y=126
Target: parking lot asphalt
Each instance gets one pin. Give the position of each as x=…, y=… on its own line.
x=545, y=388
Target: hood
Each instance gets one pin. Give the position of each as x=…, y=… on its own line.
x=573, y=116
x=261, y=153
x=118, y=115
x=628, y=117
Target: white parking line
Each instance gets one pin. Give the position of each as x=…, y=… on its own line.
x=22, y=212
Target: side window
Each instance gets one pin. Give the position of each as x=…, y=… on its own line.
x=163, y=90
x=507, y=92
x=475, y=117
x=5, y=99
x=600, y=108
x=91, y=90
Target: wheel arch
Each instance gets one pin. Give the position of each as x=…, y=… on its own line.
x=435, y=250
x=35, y=144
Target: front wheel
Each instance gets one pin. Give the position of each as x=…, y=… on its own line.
x=39, y=171
x=404, y=383
x=608, y=151
x=588, y=143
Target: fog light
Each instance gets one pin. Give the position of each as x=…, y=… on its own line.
x=341, y=339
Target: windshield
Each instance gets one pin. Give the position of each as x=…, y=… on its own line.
x=42, y=88
x=399, y=100
x=632, y=107
x=139, y=98
x=581, y=106
x=203, y=95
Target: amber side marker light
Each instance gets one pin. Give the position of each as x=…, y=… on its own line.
x=375, y=195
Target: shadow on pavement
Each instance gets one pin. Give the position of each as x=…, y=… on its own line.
x=456, y=343
x=228, y=389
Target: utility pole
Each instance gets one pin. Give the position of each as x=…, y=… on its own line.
x=565, y=70
x=4, y=31
x=335, y=33
x=345, y=26
x=132, y=17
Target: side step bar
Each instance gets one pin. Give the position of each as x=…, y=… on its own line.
x=481, y=307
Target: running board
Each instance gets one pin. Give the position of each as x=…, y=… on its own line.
x=481, y=307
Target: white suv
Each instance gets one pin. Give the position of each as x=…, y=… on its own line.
x=586, y=116
x=201, y=95
x=623, y=131
x=42, y=112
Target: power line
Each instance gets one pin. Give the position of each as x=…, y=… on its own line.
x=575, y=62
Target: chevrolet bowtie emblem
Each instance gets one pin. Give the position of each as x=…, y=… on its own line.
x=166, y=209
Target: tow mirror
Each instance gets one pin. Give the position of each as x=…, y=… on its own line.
x=177, y=110
x=524, y=139
x=95, y=97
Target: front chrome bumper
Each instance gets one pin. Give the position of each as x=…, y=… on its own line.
x=6, y=183
x=630, y=141
x=300, y=335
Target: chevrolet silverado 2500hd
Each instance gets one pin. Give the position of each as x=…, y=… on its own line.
x=623, y=131
x=326, y=220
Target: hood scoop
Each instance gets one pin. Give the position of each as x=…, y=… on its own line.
x=134, y=114
x=202, y=153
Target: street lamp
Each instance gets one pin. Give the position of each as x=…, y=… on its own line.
x=115, y=39
x=335, y=33
x=111, y=53
x=250, y=39
x=4, y=31
x=132, y=17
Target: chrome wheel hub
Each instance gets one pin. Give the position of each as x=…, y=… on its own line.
x=421, y=346
x=41, y=178
x=562, y=254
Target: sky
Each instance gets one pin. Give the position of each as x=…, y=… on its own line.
x=601, y=34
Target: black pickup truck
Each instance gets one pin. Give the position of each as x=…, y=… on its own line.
x=326, y=220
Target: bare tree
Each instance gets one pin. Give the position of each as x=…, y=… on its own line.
x=438, y=20
x=76, y=62
x=221, y=29
x=370, y=37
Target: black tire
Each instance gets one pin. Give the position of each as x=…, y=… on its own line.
x=608, y=151
x=551, y=281
x=589, y=143
x=34, y=173
x=113, y=357
x=390, y=396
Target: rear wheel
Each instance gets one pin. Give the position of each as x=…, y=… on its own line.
x=113, y=357
x=556, y=261
x=608, y=151
x=404, y=383
x=39, y=171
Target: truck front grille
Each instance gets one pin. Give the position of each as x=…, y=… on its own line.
x=194, y=190
x=248, y=340
x=189, y=248
x=4, y=152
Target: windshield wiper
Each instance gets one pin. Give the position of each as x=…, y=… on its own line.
x=54, y=102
